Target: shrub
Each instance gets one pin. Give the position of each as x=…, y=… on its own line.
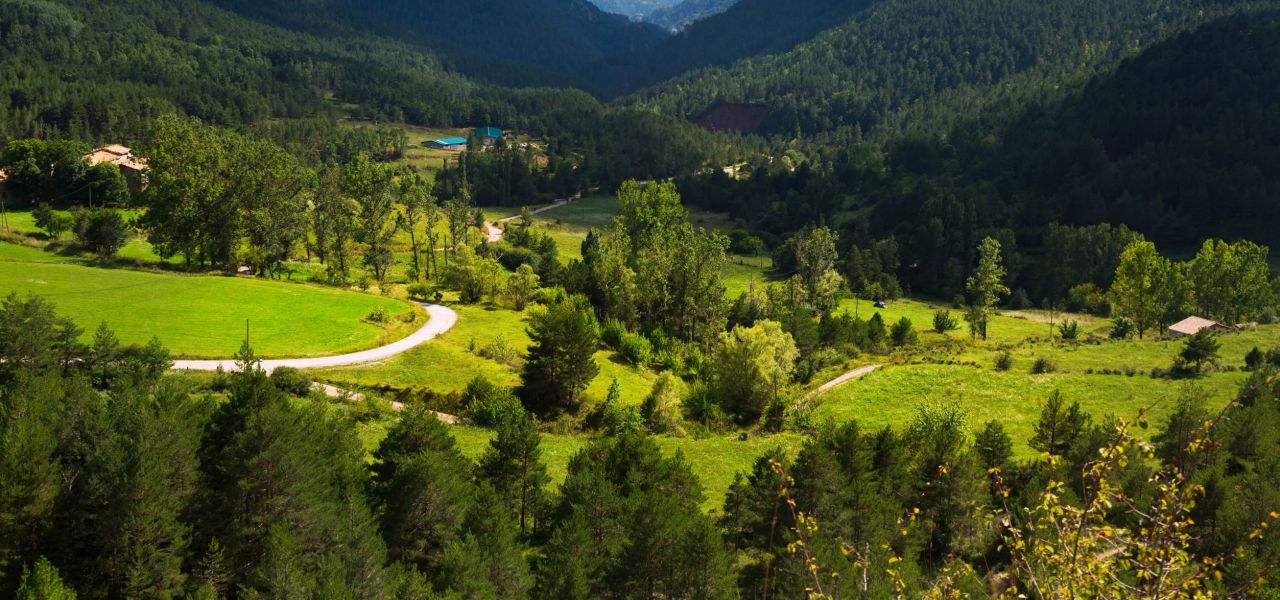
x=1004, y=362
x=548, y=296
x=611, y=333
x=1267, y=316
x=1254, y=359
x=635, y=349
x=1069, y=330
x=1043, y=365
x=487, y=404
x=53, y=224
x=661, y=408
x=101, y=231
x=419, y=291
x=903, y=334
x=378, y=315
x=700, y=407
x=1123, y=329
x=292, y=381
x=500, y=352
x=1199, y=350
x=944, y=321
x=1086, y=297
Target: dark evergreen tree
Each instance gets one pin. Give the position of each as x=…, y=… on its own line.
x=561, y=360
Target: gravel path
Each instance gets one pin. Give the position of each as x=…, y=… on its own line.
x=442, y=320
x=495, y=232
x=843, y=379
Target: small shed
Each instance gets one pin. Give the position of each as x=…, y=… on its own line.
x=1194, y=325
x=455, y=144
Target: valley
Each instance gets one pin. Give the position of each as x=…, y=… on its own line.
x=639, y=299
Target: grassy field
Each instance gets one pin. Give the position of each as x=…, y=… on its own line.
x=427, y=161
x=22, y=223
x=892, y=396
x=449, y=362
x=1137, y=355
x=204, y=316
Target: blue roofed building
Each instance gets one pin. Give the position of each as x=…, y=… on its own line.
x=487, y=136
x=456, y=144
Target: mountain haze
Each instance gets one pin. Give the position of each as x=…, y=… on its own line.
x=681, y=15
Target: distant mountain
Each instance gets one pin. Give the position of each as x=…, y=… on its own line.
x=634, y=8
x=686, y=13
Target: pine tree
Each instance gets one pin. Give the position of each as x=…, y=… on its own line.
x=513, y=466
x=993, y=445
x=1059, y=426
x=43, y=583
x=561, y=360
x=423, y=488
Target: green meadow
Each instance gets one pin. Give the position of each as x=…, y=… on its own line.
x=198, y=316
x=893, y=395
x=475, y=347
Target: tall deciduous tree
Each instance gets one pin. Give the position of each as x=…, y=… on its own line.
x=654, y=268
x=753, y=367
x=370, y=185
x=816, y=257
x=1230, y=281
x=419, y=211
x=985, y=287
x=1138, y=289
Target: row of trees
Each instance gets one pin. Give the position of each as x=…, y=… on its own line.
x=1223, y=281
x=220, y=199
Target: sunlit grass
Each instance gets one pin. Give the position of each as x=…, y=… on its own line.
x=205, y=316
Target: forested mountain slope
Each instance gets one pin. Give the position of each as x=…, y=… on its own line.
x=94, y=70
x=902, y=51
x=563, y=37
x=101, y=71
x=1181, y=139
x=1177, y=143
x=748, y=28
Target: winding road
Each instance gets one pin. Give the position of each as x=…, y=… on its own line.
x=442, y=319
x=495, y=232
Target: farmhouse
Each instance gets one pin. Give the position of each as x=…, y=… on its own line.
x=131, y=167
x=1193, y=325
x=487, y=136
x=453, y=144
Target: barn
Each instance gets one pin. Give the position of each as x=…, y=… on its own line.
x=453, y=144
x=1193, y=325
